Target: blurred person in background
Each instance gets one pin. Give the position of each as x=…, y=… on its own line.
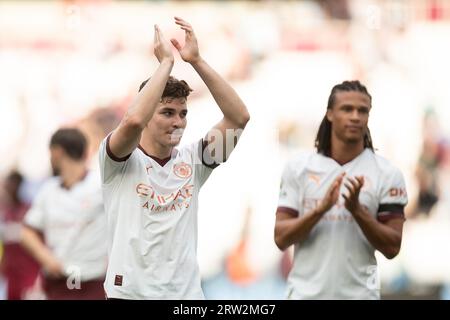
x=335, y=222
x=428, y=165
x=17, y=266
x=65, y=228
x=151, y=188
x=240, y=279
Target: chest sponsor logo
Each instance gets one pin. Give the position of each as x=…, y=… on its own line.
x=337, y=213
x=173, y=201
x=182, y=170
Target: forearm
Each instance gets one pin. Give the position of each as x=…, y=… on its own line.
x=127, y=136
x=231, y=105
x=31, y=241
x=10, y=232
x=381, y=237
x=291, y=231
x=145, y=104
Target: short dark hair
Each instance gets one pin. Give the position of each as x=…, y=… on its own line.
x=15, y=176
x=323, y=138
x=174, y=88
x=71, y=140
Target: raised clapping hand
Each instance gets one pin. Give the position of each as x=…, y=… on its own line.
x=162, y=47
x=332, y=195
x=189, y=52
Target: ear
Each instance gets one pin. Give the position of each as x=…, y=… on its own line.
x=56, y=150
x=329, y=115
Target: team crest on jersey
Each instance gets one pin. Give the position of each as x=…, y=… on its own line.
x=182, y=170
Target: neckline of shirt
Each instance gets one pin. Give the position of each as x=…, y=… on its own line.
x=61, y=183
x=161, y=162
x=349, y=163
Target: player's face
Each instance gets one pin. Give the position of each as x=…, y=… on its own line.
x=169, y=121
x=349, y=116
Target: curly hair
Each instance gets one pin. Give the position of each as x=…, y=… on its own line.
x=174, y=88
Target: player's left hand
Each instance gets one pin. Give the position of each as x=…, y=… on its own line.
x=189, y=52
x=353, y=186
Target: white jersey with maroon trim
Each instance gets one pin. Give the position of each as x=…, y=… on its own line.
x=336, y=261
x=152, y=218
x=73, y=223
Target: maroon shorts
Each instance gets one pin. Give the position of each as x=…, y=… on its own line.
x=58, y=290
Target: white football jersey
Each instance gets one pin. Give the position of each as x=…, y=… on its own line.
x=336, y=261
x=152, y=220
x=73, y=223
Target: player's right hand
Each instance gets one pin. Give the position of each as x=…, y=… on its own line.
x=161, y=47
x=332, y=195
x=54, y=269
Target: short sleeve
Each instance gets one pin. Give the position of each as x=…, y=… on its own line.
x=204, y=165
x=109, y=165
x=393, y=196
x=288, y=200
x=35, y=216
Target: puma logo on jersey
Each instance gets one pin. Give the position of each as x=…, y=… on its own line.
x=314, y=178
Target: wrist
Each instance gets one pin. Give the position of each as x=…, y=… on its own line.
x=168, y=61
x=197, y=61
x=358, y=210
x=319, y=211
x=46, y=262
